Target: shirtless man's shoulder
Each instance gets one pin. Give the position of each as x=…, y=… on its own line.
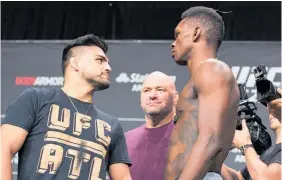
x=213, y=70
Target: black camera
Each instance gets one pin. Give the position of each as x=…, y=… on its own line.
x=266, y=91
x=247, y=110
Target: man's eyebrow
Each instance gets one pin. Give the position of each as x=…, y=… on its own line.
x=103, y=57
x=176, y=32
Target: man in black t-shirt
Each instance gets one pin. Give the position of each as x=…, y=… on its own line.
x=58, y=132
x=268, y=165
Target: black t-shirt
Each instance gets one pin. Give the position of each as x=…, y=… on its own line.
x=271, y=155
x=63, y=143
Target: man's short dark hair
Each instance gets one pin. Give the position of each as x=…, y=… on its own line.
x=211, y=21
x=87, y=40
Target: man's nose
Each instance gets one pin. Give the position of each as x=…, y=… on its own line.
x=172, y=44
x=153, y=95
x=108, y=67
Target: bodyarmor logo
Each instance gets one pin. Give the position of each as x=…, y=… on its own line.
x=135, y=78
x=245, y=75
x=39, y=81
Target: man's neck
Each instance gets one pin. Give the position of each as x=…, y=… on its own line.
x=158, y=121
x=82, y=92
x=198, y=58
x=278, y=135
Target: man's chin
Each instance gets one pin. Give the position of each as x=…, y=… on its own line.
x=154, y=113
x=181, y=62
x=99, y=86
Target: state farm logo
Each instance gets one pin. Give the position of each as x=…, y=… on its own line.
x=136, y=79
x=245, y=75
x=38, y=81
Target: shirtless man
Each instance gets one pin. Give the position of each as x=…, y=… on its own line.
x=208, y=103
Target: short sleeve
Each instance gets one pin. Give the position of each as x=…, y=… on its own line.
x=276, y=158
x=118, y=149
x=22, y=112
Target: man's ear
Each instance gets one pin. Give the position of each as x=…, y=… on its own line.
x=196, y=33
x=175, y=97
x=73, y=63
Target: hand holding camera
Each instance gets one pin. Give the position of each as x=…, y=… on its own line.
x=253, y=129
x=242, y=137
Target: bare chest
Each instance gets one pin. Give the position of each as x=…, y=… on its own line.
x=187, y=106
x=184, y=133
x=187, y=115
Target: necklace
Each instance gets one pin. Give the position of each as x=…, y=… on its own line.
x=82, y=119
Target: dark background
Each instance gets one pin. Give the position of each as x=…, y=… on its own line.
x=255, y=21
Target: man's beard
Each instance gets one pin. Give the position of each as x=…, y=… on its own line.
x=98, y=84
x=181, y=62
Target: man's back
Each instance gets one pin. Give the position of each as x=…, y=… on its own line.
x=147, y=150
x=186, y=130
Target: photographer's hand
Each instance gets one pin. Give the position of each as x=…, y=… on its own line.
x=256, y=167
x=242, y=137
x=274, y=107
